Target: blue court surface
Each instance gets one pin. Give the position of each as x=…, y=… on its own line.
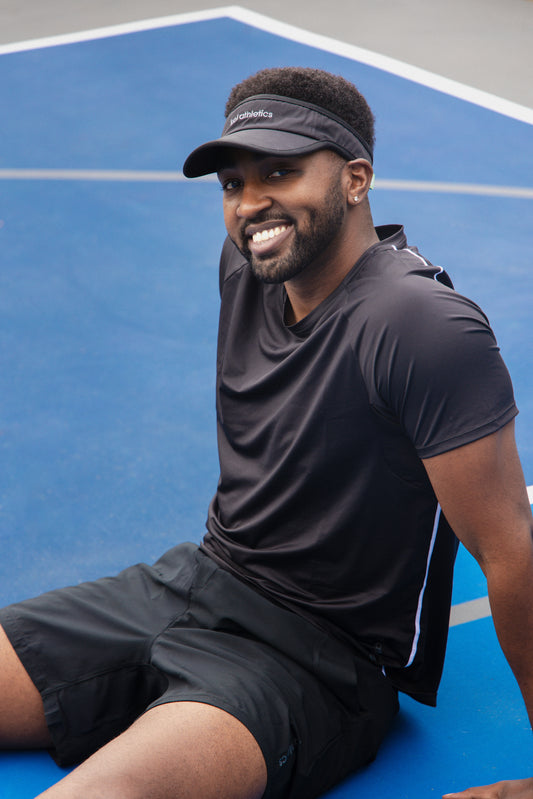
x=108, y=319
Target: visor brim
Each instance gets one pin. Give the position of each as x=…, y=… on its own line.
x=209, y=156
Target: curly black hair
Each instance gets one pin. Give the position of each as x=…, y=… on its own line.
x=332, y=92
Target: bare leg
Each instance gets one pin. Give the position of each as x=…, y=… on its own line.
x=22, y=723
x=181, y=750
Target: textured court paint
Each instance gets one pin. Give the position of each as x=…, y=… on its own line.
x=35, y=217
x=108, y=318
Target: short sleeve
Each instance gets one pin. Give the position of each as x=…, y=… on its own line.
x=435, y=367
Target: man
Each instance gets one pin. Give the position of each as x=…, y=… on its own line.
x=364, y=414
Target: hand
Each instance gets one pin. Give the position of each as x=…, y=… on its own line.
x=508, y=789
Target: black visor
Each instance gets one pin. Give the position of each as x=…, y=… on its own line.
x=276, y=125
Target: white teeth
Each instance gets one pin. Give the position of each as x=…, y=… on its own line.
x=264, y=235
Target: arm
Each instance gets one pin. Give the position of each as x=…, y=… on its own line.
x=508, y=789
x=483, y=495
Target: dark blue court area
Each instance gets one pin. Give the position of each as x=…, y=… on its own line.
x=108, y=320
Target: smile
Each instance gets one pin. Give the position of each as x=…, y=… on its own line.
x=265, y=235
x=266, y=240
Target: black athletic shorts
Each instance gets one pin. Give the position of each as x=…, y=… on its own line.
x=103, y=652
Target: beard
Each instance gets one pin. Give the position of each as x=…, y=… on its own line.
x=309, y=240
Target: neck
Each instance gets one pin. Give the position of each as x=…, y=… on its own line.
x=311, y=287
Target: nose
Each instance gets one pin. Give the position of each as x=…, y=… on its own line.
x=253, y=199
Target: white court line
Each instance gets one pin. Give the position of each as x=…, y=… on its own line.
x=466, y=611
x=470, y=611
x=273, y=26
x=463, y=612
x=120, y=29
x=515, y=192
x=124, y=175
x=132, y=175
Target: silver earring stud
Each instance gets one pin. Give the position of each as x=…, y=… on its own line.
x=356, y=198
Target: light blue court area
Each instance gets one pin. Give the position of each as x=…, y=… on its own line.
x=108, y=318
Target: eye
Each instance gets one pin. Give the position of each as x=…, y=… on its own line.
x=229, y=184
x=280, y=172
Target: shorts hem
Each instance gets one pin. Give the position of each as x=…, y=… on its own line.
x=23, y=649
x=19, y=641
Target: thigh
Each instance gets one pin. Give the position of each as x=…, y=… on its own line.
x=182, y=749
x=310, y=737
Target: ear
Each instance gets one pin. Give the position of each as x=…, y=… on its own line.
x=359, y=180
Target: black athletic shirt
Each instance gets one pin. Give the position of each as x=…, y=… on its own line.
x=323, y=503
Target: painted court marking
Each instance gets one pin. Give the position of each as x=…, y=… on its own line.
x=465, y=611
x=118, y=175
x=293, y=33
x=442, y=747
x=470, y=611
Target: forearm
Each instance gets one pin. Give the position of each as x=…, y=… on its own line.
x=510, y=586
x=482, y=492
